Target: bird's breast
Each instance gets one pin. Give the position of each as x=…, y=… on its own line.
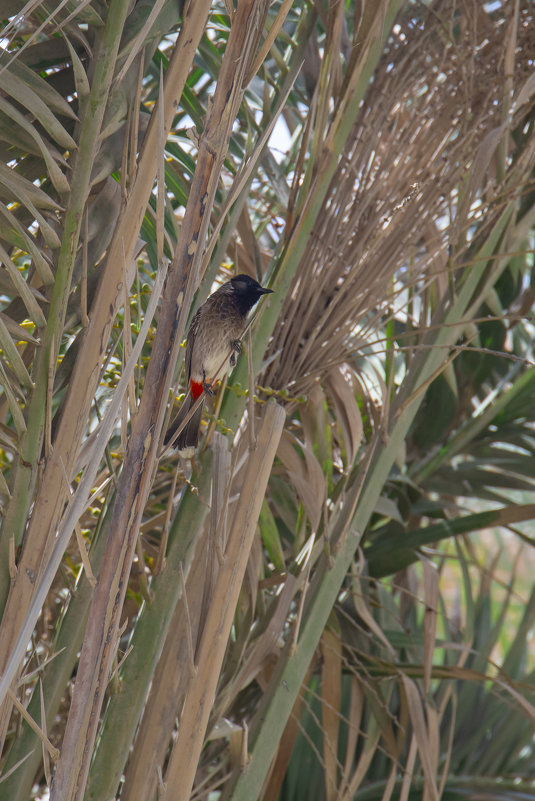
x=212, y=350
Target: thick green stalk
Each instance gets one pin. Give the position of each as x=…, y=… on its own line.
x=285, y=684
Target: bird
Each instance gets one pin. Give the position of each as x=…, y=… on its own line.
x=212, y=346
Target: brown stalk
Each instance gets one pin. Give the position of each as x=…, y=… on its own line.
x=167, y=690
x=135, y=480
x=201, y=692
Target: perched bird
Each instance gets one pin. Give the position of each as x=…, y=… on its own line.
x=212, y=343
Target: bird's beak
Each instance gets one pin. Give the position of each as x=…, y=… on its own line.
x=266, y=291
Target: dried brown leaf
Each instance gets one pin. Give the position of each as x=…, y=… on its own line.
x=331, y=696
x=421, y=734
x=267, y=643
x=431, y=599
x=305, y=474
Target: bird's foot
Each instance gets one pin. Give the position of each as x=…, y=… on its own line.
x=208, y=388
x=236, y=345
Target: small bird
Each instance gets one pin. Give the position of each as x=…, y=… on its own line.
x=212, y=345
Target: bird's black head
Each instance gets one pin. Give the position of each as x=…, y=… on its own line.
x=247, y=291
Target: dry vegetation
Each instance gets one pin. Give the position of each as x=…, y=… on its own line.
x=307, y=611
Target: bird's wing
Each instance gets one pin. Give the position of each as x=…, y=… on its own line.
x=190, y=341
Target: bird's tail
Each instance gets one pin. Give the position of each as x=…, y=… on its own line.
x=189, y=436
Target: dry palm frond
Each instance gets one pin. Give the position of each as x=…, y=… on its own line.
x=397, y=215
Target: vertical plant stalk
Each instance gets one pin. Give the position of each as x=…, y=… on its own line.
x=201, y=692
x=100, y=641
x=164, y=701
x=51, y=493
x=124, y=708
x=287, y=679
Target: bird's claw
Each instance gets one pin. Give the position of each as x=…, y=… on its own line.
x=208, y=388
x=236, y=345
